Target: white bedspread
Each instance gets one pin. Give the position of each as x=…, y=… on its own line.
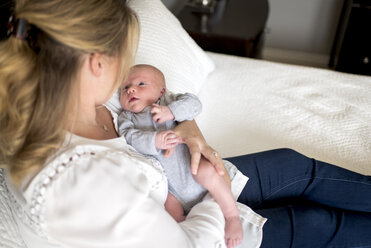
x=253, y=105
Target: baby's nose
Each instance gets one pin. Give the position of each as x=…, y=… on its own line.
x=131, y=90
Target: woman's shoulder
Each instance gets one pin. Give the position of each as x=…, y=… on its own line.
x=81, y=181
x=79, y=157
x=76, y=172
x=83, y=161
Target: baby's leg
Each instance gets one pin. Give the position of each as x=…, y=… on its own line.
x=174, y=208
x=219, y=189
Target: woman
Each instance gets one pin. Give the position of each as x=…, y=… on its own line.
x=76, y=184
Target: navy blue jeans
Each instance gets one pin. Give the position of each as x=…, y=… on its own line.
x=308, y=203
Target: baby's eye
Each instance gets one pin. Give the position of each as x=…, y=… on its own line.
x=125, y=88
x=141, y=83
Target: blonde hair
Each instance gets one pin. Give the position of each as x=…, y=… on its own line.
x=38, y=76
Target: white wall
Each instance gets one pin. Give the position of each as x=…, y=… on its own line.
x=301, y=31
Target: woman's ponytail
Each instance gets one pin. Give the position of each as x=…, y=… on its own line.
x=19, y=79
x=39, y=68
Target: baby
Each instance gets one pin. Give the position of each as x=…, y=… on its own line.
x=149, y=116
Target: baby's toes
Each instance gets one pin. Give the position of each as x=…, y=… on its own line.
x=237, y=241
x=229, y=243
x=233, y=231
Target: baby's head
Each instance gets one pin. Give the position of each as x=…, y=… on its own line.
x=145, y=85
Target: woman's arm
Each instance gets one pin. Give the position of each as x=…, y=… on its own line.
x=105, y=201
x=193, y=138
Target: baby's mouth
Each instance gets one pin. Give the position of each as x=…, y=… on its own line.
x=133, y=98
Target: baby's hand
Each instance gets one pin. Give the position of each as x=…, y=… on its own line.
x=161, y=113
x=166, y=140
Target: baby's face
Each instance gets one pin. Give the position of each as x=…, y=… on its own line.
x=142, y=89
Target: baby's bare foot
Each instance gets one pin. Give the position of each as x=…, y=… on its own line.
x=233, y=231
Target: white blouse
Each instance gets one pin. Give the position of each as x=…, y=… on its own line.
x=105, y=194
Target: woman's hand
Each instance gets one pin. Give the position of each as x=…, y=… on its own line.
x=191, y=135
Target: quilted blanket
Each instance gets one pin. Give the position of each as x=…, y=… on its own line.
x=253, y=105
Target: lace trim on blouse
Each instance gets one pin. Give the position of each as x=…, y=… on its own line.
x=33, y=214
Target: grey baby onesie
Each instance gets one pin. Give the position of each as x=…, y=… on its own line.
x=140, y=131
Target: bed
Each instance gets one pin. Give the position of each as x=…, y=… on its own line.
x=249, y=105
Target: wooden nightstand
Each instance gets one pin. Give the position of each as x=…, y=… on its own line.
x=235, y=27
x=352, y=47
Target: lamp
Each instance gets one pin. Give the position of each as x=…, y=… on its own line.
x=202, y=6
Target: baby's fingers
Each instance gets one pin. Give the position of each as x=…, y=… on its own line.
x=171, y=135
x=168, y=152
x=173, y=140
x=156, y=117
x=170, y=144
x=155, y=108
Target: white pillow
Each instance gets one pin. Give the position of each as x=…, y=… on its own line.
x=166, y=45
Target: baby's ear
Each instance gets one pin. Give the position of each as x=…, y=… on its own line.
x=163, y=90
